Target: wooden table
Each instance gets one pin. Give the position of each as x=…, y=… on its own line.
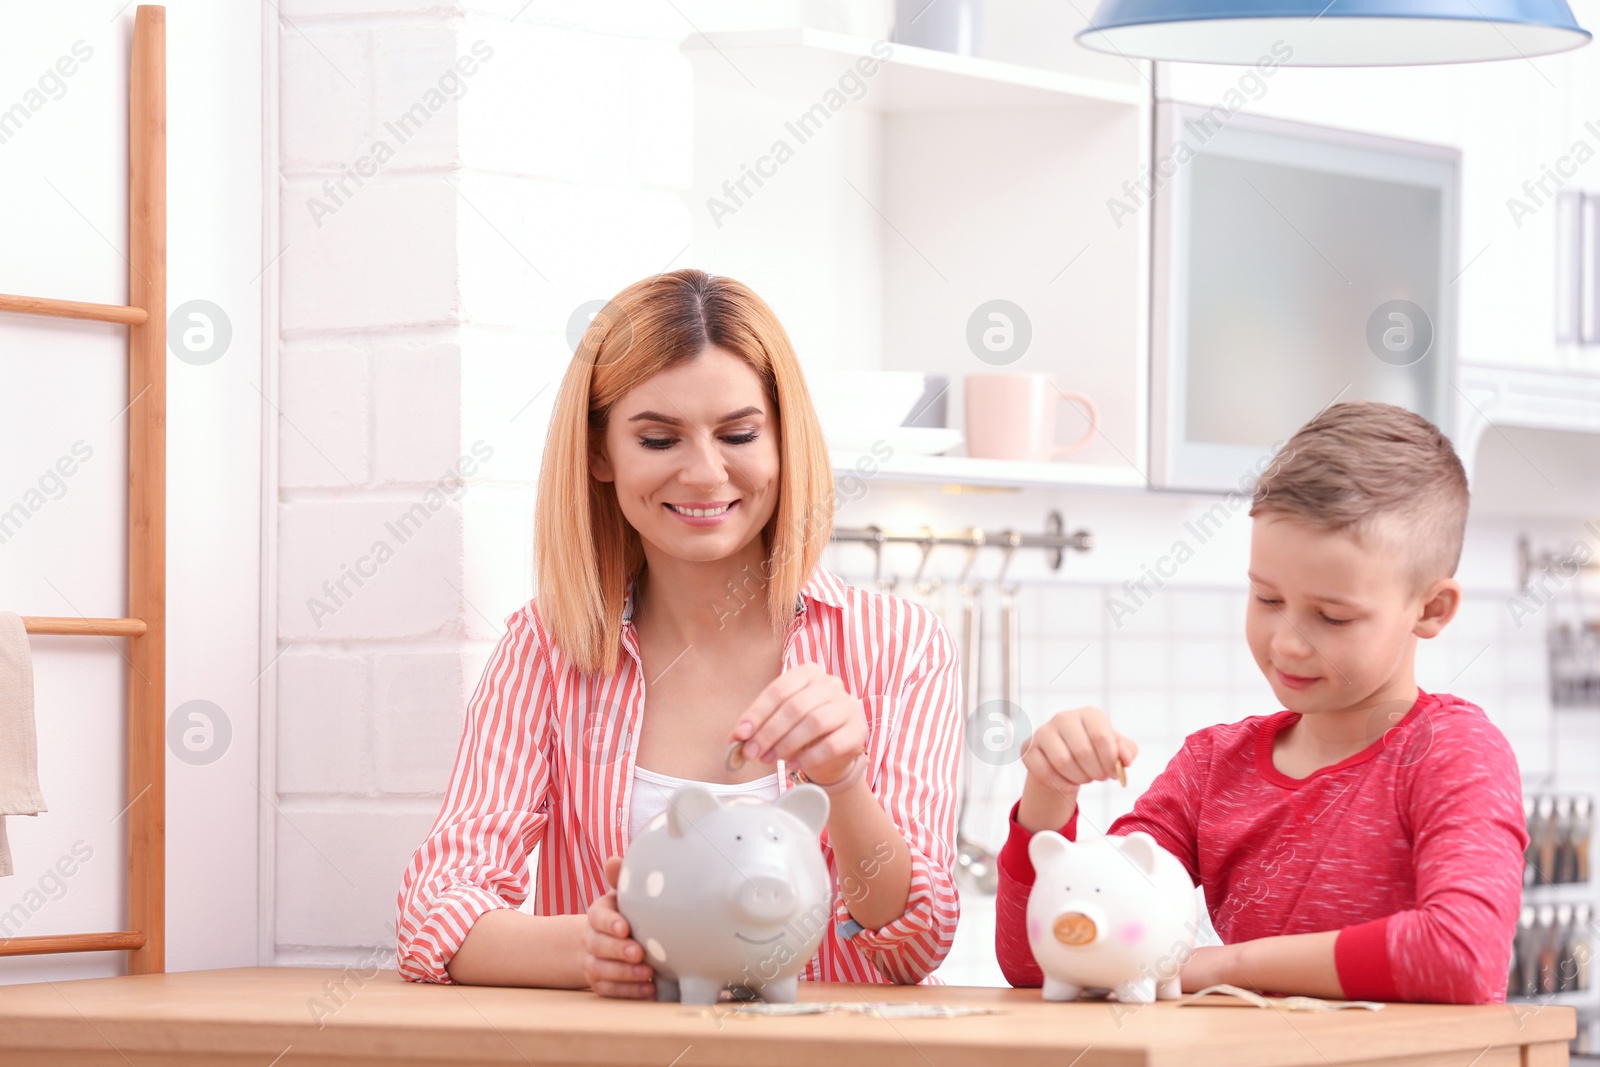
x=297, y=1016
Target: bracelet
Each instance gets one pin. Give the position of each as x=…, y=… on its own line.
x=857, y=770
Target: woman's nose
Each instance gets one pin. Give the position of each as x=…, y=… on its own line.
x=704, y=465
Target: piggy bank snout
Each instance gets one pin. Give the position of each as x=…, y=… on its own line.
x=1077, y=925
x=1075, y=928
x=765, y=898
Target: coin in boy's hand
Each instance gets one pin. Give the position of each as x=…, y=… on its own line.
x=735, y=757
x=1122, y=775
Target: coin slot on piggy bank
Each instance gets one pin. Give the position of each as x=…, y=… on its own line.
x=729, y=894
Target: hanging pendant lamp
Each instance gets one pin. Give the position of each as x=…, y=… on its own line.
x=1340, y=33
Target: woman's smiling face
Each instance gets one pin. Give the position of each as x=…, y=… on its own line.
x=693, y=454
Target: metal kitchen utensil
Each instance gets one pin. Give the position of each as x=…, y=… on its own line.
x=926, y=587
x=1010, y=632
x=878, y=581
x=1010, y=673
x=974, y=863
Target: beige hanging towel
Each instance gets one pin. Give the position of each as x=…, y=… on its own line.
x=19, y=746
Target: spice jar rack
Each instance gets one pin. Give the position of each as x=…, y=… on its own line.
x=1553, y=950
x=1559, y=832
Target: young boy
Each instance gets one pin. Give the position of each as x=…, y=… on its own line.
x=1367, y=842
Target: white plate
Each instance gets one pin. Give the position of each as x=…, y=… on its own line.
x=904, y=440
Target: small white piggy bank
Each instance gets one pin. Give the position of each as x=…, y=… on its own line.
x=1113, y=913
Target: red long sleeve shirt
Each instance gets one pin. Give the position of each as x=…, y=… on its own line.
x=1412, y=849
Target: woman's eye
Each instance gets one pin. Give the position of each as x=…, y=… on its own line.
x=659, y=443
x=1265, y=600
x=1334, y=622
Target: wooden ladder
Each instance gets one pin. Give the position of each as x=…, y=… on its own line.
x=146, y=627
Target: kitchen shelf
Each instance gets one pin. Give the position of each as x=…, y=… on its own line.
x=986, y=473
x=806, y=63
x=950, y=183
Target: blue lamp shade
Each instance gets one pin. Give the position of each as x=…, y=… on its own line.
x=1333, y=33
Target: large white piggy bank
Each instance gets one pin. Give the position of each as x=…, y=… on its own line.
x=1115, y=913
x=729, y=894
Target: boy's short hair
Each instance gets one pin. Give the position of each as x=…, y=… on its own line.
x=1362, y=464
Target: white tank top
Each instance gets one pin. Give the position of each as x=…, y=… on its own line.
x=651, y=791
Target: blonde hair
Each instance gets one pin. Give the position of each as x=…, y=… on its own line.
x=585, y=550
x=1362, y=464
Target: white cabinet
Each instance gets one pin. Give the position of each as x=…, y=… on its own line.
x=1515, y=123
x=876, y=195
x=1294, y=266
x=1496, y=399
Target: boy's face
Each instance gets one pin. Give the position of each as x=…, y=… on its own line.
x=1333, y=621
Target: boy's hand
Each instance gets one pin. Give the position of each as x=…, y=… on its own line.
x=1209, y=965
x=1072, y=749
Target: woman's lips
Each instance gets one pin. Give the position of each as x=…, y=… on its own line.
x=1295, y=681
x=701, y=520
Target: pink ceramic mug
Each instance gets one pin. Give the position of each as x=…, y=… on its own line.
x=1013, y=416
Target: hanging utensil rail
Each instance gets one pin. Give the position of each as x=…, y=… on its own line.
x=1054, y=539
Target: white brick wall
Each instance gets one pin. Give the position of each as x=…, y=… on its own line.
x=427, y=277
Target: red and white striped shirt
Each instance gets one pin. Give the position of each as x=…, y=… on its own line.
x=547, y=759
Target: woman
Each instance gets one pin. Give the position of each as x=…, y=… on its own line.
x=684, y=500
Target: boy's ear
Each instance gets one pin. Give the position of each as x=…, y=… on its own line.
x=1439, y=604
x=1046, y=845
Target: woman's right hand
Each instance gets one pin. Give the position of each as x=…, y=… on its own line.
x=1074, y=748
x=611, y=961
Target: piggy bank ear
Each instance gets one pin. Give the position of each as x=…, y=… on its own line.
x=1140, y=847
x=1047, y=845
x=807, y=803
x=688, y=806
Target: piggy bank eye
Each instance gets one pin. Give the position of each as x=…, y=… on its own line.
x=773, y=835
x=1097, y=889
x=738, y=837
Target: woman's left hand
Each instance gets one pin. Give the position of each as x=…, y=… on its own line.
x=806, y=718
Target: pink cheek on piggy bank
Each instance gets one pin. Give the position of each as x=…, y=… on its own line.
x=1131, y=933
x=1033, y=931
